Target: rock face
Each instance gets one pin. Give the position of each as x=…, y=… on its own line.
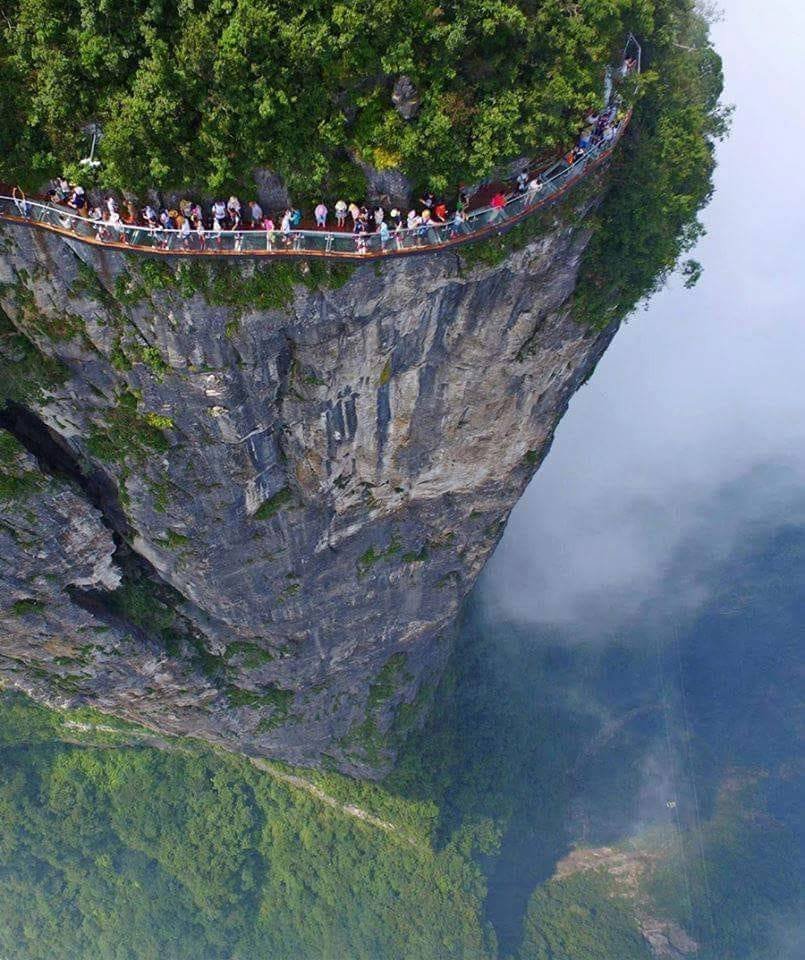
x=405, y=98
x=297, y=475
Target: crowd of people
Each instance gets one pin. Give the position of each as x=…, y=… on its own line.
x=187, y=226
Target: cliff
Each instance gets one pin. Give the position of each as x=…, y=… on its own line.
x=244, y=502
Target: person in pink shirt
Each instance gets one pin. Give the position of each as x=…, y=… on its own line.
x=321, y=215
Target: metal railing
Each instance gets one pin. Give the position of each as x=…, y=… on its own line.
x=554, y=181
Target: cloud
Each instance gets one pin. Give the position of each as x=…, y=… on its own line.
x=702, y=391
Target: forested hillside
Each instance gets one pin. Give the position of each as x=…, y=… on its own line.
x=199, y=93
x=119, y=853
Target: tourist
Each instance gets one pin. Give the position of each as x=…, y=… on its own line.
x=359, y=233
x=423, y=227
x=96, y=216
x=285, y=227
x=340, y=213
x=115, y=221
x=21, y=203
x=201, y=234
x=384, y=235
x=184, y=232
x=320, y=213
x=233, y=211
x=217, y=230
x=522, y=181
x=255, y=214
x=428, y=200
x=440, y=212
x=413, y=220
x=354, y=212
x=379, y=215
x=218, y=210
x=498, y=202
x=457, y=228
x=534, y=187
x=77, y=199
x=296, y=218
x=268, y=226
x=396, y=218
x=61, y=189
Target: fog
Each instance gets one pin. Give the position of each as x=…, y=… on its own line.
x=693, y=426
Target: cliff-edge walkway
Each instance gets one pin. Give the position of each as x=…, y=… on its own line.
x=544, y=186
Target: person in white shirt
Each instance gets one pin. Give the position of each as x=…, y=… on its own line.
x=341, y=213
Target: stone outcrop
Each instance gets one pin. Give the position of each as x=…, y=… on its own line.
x=298, y=474
x=405, y=97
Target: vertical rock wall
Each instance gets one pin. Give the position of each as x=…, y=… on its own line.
x=298, y=475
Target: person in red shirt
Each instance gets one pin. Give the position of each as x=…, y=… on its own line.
x=440, y=212
x=498, y=202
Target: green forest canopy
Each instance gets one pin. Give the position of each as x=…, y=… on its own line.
x=199, y=93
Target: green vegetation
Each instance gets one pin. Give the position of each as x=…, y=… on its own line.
x=661, y=174
x=28, y=605
x=388, y=681
x=580, y=918
x=191, y=855
x=385, y=374
x=17, y=480
x=371, y=555
x=263, y=286
x=365, y=739
x=274, y=697
x=192, y=92
x=159, y=421
x=249, y=654
x=129, y=433
x=25, y=373
x=741, y=887
x=276, y=502
x=173, y=540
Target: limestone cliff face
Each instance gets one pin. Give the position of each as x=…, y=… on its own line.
x=298, y=482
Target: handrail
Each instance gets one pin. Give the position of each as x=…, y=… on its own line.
x=332, y=244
